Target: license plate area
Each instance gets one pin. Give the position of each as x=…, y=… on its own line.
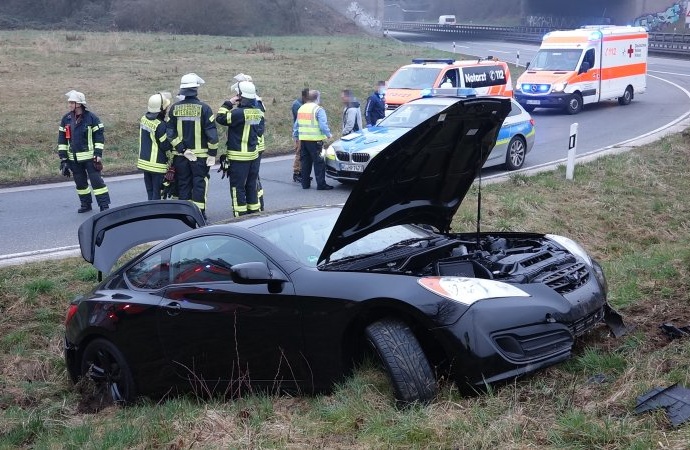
x=351, y=168
x=533, y=102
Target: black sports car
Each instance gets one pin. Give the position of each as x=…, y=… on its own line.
x=292, y=300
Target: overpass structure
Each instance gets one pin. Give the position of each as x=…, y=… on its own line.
x=653, y=14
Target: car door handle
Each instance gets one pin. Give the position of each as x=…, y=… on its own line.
x=173, y=308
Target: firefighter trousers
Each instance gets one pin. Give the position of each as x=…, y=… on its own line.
x=243, y=187
x=154, y=184
x=192, y=180
x=85, y=172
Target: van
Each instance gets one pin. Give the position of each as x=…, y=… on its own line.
x=588, y=65
x=446, y=20
x=487, y=76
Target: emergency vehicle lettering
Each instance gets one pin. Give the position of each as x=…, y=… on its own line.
x=484, y=76
x=187, y=110
x=148, y=125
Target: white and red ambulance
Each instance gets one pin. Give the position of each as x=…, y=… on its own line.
x=588, y=65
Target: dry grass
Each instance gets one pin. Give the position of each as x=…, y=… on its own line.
x=629, y=210
x=119, y=71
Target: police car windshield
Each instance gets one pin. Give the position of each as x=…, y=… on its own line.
x=414, y=78
x=556, y=59
x=410, y=115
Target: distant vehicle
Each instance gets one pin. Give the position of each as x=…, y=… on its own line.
x=488, y=76
x=347, y=158
x=588, y=65
x=446, y=20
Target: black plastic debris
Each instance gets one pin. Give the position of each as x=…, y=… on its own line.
x=675, y=399
x=614, y=321
x=675, y=332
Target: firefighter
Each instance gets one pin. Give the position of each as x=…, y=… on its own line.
x=192, y=133
x=154, y=146
x=261, y=142
x=241, y=160
x=80, y=148
x=311, y=129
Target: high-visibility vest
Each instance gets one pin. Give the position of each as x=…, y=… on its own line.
x=307, y=126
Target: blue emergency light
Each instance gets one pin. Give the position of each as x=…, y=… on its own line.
x=449, y=92
x=427, y=60
x=538, y=87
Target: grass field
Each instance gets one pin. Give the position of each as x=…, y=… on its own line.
x=119, y=71
x=630, y=211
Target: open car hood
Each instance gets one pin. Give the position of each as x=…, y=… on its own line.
x=422, y=177
x=106, y=236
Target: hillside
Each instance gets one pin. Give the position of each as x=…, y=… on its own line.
x=214, y=17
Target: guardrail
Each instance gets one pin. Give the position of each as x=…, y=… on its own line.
x=659, y=43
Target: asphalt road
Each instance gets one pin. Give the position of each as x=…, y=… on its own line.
x=43, y=218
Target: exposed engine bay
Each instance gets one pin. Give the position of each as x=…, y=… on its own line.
x=508, y=258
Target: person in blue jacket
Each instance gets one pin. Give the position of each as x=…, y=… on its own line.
x=375, y=109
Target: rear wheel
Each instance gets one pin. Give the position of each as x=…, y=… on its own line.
x=404, y=360
x=106, y=367
x=515, y=156
x=574, y=105
x=627, y=97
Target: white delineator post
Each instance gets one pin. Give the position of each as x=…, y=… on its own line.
x=572, y=150
x=517, y=61
x=453, y=47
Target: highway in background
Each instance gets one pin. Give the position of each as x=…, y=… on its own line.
x=43, y=219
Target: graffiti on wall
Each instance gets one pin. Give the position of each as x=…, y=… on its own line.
x=563, y=21
x=654, y=21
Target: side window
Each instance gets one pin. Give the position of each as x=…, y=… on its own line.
x=514, y=110
x=210, y=258
x=450, y=79
x=153, y=272
x=589, y=57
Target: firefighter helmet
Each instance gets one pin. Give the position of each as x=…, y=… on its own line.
x=191, y=80
x=247, y=89
x=77, y=97
x=159, y=102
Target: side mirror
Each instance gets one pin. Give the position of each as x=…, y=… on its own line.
x=255, y=273
x=527, y=65
x=584, y=68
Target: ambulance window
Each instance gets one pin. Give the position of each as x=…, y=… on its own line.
x=450, y=76
x=589, y=57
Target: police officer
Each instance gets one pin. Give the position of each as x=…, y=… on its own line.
x=245, y=125
x=154, y=146
x=80, y=148
x=192, y=132
x=311, y=129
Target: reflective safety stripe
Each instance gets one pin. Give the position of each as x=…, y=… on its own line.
x=237, y=209
x=201, y=153
x=254, y=206
x=85, y=191
x=100, y=191
x=152, y=166
x=261, y=144
x=62, y=147
x=307, y=125
x=83, y=156
x=237, y=155
x=200, y=205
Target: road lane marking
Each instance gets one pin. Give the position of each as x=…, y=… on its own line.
x=499, y=51
x=670, y=73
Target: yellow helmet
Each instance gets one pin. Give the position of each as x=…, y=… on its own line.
x=159, y=102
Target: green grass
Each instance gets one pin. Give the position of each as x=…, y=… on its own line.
x=119, y=71
x=630, y=211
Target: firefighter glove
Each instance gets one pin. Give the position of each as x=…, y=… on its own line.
x=64, y=168
x=224, y=166
x=189, y=155
x=97, y=164
x=211, y=160
x=170, y=174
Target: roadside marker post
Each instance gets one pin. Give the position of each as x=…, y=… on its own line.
x=572, y=150
x=517, y=61
x=453, y=47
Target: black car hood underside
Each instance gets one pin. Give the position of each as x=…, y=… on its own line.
x=106, y=236
x=422, y=177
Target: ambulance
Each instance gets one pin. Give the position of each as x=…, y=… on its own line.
x=583, y=66
x=487, y=76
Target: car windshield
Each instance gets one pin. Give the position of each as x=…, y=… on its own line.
x=410, y=115
x=414, y=78
x=304, y=236
x=562, y=60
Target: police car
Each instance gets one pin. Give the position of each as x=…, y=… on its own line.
x=347, y=157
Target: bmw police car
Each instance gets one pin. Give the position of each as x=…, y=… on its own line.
x=347, y=157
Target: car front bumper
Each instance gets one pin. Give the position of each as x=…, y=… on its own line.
x=336, y=170
x=553, y=100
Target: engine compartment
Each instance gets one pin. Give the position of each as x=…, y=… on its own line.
x=511, y=257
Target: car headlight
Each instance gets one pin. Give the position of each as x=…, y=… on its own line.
x=599, y=275
x=330, y=152
x=470, y=290
x=572, y=246
x=559, y=87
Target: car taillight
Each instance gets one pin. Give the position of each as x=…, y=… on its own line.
x=71, y=311
x=531, y=121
